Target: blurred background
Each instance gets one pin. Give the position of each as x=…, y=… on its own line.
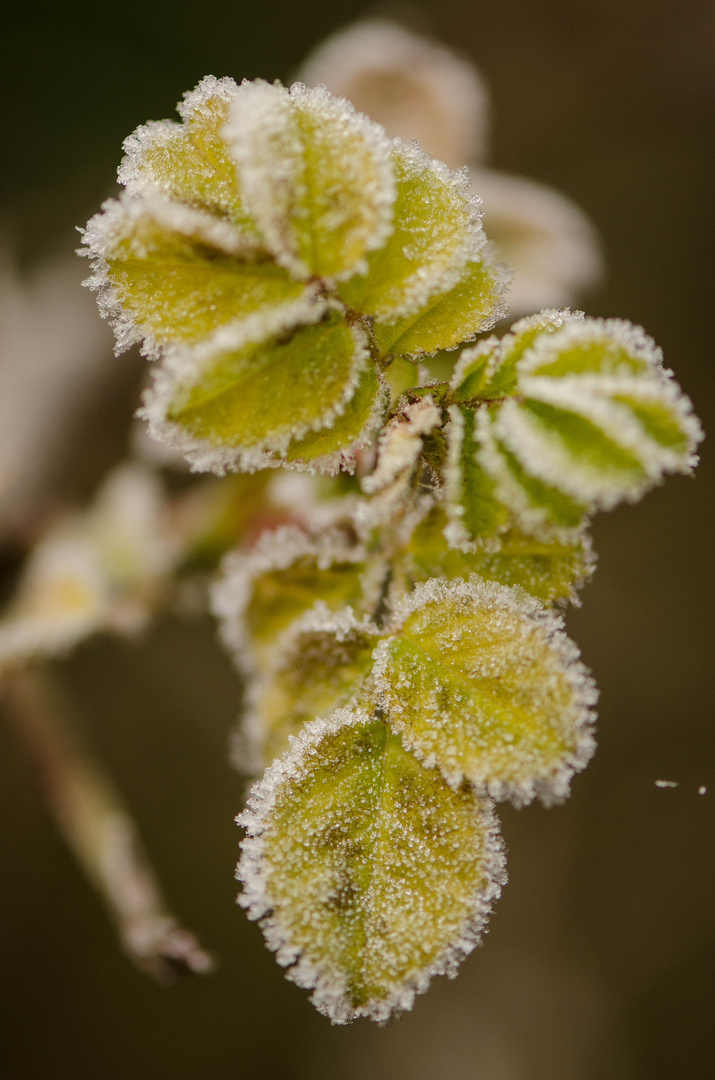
x=600, y=961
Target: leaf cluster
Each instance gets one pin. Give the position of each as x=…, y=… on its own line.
x=292, y=270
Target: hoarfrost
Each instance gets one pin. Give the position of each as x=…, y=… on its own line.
x=320, y=664
x=438, y=233
x=384, y=882
x=183, y=369
x=401, y=443
x=314, y=173
x=275, y=551
x=481, y=681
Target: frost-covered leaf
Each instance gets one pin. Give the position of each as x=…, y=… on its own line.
x=190, y=162
x=369, y=874
x=539, y=507
x=320, y=666
x=470, y=493
x=470, y=307
x=401, y=443
x=316, y=176
x=334, y=447
x=414, y=87
x=168, y=274
x=101, y=569
x=550, y=569
x=436, y=235
x=236, y=405
x=597, y=420
x=262, y=592
x=482, y=682
x=63, y=597
x=488, y=371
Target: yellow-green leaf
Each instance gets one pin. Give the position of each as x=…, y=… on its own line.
x=482, y=682
x=334, y=447
x=488, y=371
x=320, y=666
x=473, y=371
x=550, y=569
x=264, y=591
x=470, y=493
x=190, y=162
x=447, y=320
x=539, y=507
x=436, y=235
x=316, y=176
x=232, y=407
x=369, y=874
x=594, y=420
x=178, y=275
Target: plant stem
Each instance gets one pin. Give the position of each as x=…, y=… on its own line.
x=99, y=829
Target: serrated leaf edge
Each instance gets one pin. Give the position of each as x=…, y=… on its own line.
x=183, y=364
x=279, y=549
x=114, y=219
x=247, y=741
x=423, y=287
x=328, y=999
x=553, y=787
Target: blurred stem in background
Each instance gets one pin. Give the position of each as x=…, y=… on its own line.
x=99, y=829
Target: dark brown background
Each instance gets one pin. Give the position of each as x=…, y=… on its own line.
x=601, y=957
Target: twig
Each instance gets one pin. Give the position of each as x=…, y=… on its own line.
x=99, y=829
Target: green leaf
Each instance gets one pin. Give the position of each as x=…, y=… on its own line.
x=584, y=347
x=320, y=667
x=548, y=569
x=482, y=682
x=597, y=418
x=368, y=873
x=514, y=345
x=470, y=496
x=316, y=176
x=488, y=371
x=401, y=375
x=229, y=408
x=179, y=276
x=190, y=162
x=447, y=320
x=538, y=507
x=333, y=448
x=263, y=592
x=473, y=370
x=436, y=235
